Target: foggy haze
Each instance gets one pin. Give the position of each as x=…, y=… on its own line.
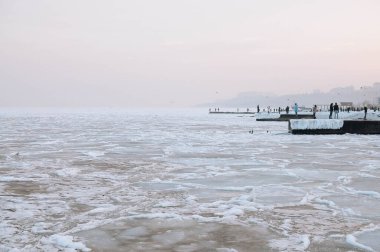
x=182, y=53
x=365, y=95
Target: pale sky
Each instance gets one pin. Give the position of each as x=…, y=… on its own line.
x=143, y=53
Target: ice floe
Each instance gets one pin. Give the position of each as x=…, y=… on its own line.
x=65, y=242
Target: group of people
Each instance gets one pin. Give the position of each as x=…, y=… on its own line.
x=334, y=108
x=279, y=110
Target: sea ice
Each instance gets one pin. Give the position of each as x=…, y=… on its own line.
x=352, y=240
x=181, y=181
x=64, y=242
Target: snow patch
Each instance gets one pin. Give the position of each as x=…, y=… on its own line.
x=226, y=250
x=307, y=199
x=94, y=154
x=41, y=227
x=167, y=203
x=292, y=243
x=286, y=226
x=64, y=242
x=344, y=180
x=234, y=212
x=67, y=172
x=325, y=202
x=13, y=179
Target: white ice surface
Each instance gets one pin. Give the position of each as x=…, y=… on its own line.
x=293, y=243
x=76, y=173
x=65, y=242
x=352, y=240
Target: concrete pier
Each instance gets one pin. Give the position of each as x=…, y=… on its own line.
x=348, y=126
x=234, y=113
x=286, y=117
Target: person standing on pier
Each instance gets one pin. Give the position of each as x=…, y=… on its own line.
x=258, y=109
x=296, y=108
x=287, y=109
x=365, y=112
x=314, y=111
x=331, y=110
x=336, y=111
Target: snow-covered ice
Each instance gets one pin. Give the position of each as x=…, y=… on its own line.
x=182, y=180
x=316, y=124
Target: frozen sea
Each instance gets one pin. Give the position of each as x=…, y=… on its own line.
x=182, y=180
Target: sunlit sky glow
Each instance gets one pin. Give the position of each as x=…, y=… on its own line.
x=181, y=53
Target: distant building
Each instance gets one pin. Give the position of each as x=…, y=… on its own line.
x=346, y=104
x=323, y=107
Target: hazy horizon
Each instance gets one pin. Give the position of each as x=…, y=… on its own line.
x=181, y=53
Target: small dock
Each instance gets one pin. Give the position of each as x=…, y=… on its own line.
x=285, y=117
x=333, y=126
